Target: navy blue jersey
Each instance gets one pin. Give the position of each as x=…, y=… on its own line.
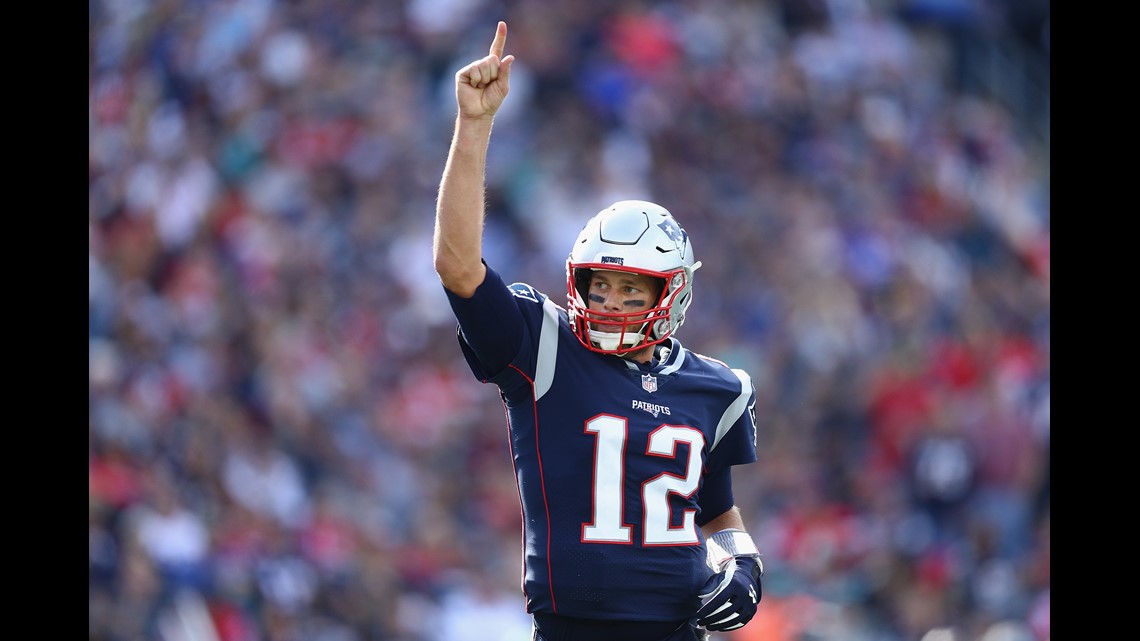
x=610, y=456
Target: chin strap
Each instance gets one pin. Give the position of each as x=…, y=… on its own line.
x=609, y=340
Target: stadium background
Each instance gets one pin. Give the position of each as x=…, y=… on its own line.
x=284, y=443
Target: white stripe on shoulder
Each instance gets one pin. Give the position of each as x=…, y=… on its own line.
x=547, y=349
x=736, y=409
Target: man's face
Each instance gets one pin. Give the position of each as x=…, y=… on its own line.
x=621, y=293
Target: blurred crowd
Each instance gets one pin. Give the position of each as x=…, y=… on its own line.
x=284, y=441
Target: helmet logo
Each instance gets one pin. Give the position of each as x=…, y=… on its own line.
x=616, y=260
x=675, y=233
x=649, y=382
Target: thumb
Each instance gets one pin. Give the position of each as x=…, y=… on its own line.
x=710, y=586
x=505, y=69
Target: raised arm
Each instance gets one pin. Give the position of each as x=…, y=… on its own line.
x=480, y=88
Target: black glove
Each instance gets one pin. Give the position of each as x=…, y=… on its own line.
x=730, y=596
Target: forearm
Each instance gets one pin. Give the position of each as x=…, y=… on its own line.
x=733, y=539
x=457, y=247
x=729, y=519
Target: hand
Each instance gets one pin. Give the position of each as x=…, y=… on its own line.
x=730, y=596
x=481, y=86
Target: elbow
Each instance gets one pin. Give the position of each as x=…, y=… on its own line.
x=443, y=267
x=459, y=278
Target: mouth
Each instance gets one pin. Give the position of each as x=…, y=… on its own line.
x=605, y=328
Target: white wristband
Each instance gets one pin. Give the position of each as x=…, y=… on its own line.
x=730, y=543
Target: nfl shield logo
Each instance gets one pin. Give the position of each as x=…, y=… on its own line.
x=649, y=382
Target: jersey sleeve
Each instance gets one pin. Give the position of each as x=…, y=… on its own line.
x=490, y=327
x=716, y=496
x=735, y=440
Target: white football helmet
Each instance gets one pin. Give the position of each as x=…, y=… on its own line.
x=639, y=237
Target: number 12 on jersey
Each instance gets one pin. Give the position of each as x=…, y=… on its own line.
x=608, y=524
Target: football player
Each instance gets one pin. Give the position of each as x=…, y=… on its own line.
x=622, y=439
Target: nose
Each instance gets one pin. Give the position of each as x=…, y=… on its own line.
x=613, y=302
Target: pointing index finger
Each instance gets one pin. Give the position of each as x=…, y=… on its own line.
x=500, y=40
